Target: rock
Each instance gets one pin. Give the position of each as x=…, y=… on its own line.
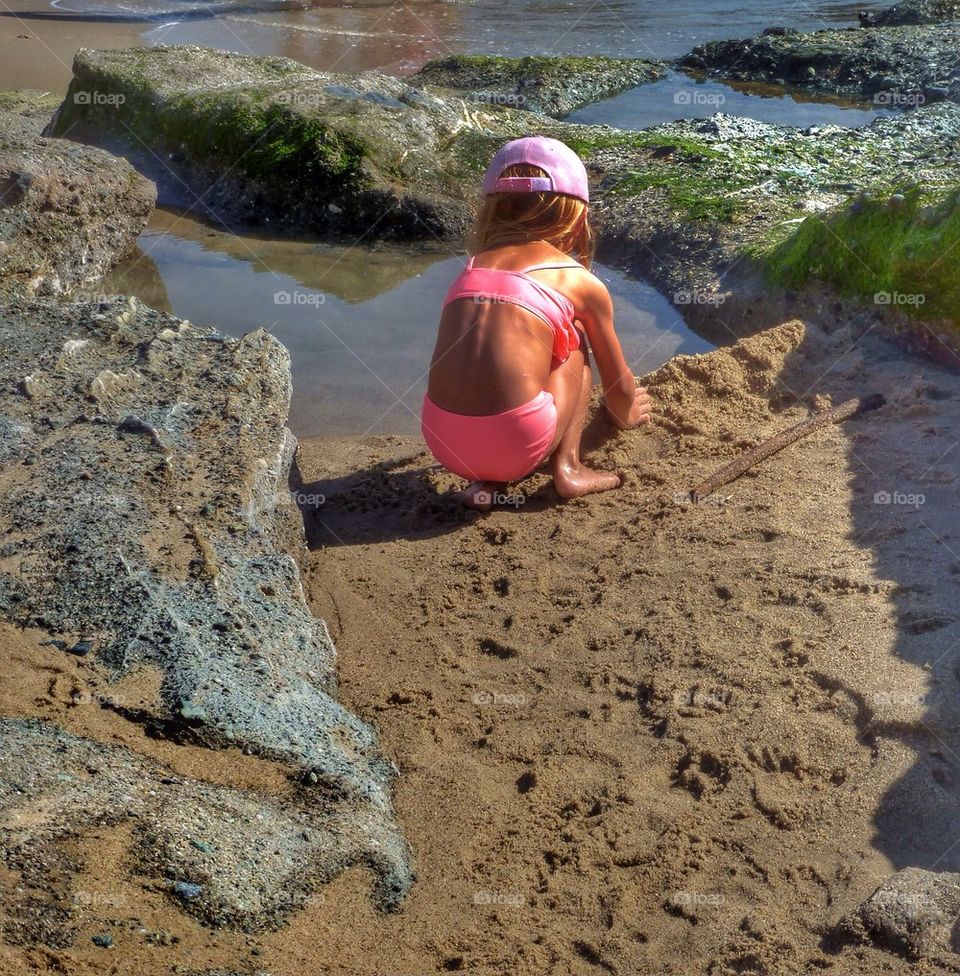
x=705, y=209
x=914, y=912
x=917, y=12
x=894, y=66
x=35, y=108
x=119, y=551
x=67, y=212
x=192, y=712
x=270, y=140
x=187, y=890
x=103, y=941
x=554, y=85
x=264, y=867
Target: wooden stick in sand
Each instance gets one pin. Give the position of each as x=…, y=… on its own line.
x=763, y=450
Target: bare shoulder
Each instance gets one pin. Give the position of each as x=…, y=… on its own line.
x=591, y=291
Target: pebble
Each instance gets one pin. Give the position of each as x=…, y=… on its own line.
x=187, y=890
x=193, y=712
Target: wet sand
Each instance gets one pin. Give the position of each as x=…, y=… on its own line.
x=39, y=53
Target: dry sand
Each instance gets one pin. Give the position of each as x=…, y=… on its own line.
x=640, y=737
x=634, y=736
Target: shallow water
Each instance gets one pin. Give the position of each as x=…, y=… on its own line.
x=678, y=95
x=384, y=34
x=359, y=323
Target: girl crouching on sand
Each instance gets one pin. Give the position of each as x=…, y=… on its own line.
x=510, y=380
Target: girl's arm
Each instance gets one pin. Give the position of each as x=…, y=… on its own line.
x=627, y=403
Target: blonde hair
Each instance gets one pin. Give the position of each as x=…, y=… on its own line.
x=519, y=218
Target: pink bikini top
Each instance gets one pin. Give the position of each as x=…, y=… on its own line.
x=496, y=285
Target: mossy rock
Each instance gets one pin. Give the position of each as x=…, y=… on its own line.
x=914, y=12
x=895, y=251
x=550, y=84
x=270, y=140
x=37, y=106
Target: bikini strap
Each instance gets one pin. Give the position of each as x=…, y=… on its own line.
x=546, y=267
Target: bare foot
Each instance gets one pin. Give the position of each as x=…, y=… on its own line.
x=478, y=495
x=572, y=482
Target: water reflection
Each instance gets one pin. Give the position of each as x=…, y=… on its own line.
x=359, y=322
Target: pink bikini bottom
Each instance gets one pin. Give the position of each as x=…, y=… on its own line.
x=495, y=447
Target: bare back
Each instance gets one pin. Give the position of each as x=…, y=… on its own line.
x=492, y=355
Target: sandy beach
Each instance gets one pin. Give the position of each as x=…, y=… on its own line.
x=634, y=736
x=274, y=708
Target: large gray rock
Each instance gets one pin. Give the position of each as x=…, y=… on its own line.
x=228, y=856
x=67, y=211
x=915, y=912
x=896, y=66
x=145, y=495
x=270, y=140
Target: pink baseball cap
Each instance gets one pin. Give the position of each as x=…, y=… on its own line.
x=565, y=171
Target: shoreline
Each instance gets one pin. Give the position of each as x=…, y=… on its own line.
x=38, y=54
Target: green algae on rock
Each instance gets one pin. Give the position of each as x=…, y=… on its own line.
x=703, y=194
x=269, y=140
x=551, y=84
x=895, y=250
